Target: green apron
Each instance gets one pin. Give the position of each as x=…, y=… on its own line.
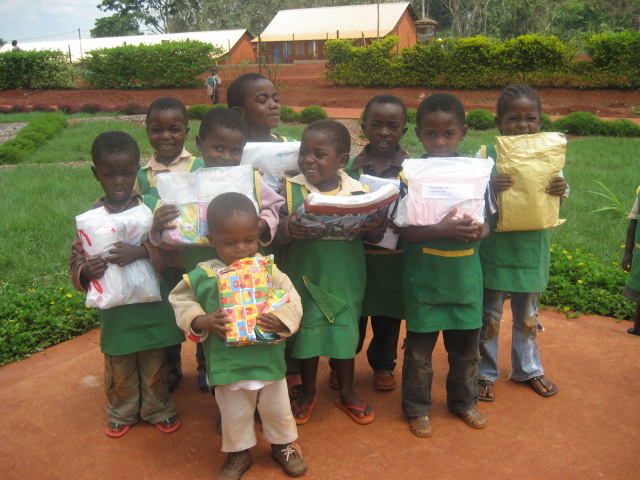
x=514, y=261
x=383, y=292
x=226, y=365
x=142, y=326
x=330, y=276
x=633, y=280
x=442, y=285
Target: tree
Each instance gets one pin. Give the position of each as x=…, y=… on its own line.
x=116, y=26
x=153, y=14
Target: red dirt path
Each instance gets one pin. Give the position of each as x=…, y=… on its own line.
x=302, y=85
x=53, y=417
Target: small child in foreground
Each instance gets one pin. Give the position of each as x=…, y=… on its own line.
x=442, y=283
x=133, y=338
x=632, y=243
x=246, y=377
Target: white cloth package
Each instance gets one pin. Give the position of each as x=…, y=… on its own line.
x=437, y=185
x=272, y=158
x=191, y=192
x=390, y=239
x=99, y=231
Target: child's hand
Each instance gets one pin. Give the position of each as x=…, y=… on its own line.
x=164, y=216
x=94, y=268
x=501, y=181
x=463, y=229
x=216, y=322
x=257, y=169
x=262, y=226
x=557, y=186
x=296, y=229
x=626, y=261
x=288, y=173
x=476, y=224
x=269, y=323
x=124, y=254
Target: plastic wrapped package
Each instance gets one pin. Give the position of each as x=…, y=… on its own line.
x=390, y=239
x=532, y=161
x=191, y=225
x=273, y=159
x=342, y=218
x=136, y=282
x=437, y=185
x=246, y=290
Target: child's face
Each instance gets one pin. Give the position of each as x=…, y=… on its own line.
x=167, y=131
x=116, y=173
x=261, y=109
x=236, y=237
x=440, y=133
x=521, y=116
x=384, y=126
x=222, y=147
x=319, y=160
x=214, y=70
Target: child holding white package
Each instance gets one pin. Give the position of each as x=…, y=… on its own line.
x=246, y=377
x=515, y=264
x=134, y=338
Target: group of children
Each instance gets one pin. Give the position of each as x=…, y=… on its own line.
x=434, y=279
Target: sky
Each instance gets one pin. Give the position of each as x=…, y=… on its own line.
x=41, y=20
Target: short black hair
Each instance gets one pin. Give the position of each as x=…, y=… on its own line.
x=444, y=102
x=384, y=99
x=237, y=90
x=113, y=141
x=221, y=117
x=226, y=205
x=337, y=133
x=168, y=103
x=14, y=42
x=513, y=92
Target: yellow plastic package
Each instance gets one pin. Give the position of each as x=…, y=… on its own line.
x=532, y=161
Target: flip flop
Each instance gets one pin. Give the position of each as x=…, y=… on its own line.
x=169, y=425
x=552, y=390
x=294, y=385
x=488, y=389
x=111, y=432
x=296, y=410
x=633, y=331
x=349, y=409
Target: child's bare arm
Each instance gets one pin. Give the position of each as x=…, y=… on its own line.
x=627, y=257
x=501, y=181
x=461, y=229
x=557, y=186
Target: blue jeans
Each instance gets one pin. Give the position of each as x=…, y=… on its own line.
x=417, y=372
x=525, y=357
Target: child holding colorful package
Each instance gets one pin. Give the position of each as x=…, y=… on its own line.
x=246, y=377
x=515, y=264
x=385, y=118
x=632, y=243
x=134, y=338
x=330, y=275
x=442, y=287
x=167, y=130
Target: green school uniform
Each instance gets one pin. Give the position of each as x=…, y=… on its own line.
x=330, y=276
x=442, y=282
x=226, y=365
x=514, y=261
x=383, y=292
x=633, y=280
x=142, y=326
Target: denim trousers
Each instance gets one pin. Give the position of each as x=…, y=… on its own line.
x=525, y=357
x=383, y=348
x=462, y=378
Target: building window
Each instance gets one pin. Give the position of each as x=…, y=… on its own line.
x=299, y=47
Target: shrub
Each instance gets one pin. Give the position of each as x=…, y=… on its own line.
x=11, y=155
x=41, y=107
x=35, y=69
x=131, y=108
x=481, y=119
x=36, y=137
x=288, y=114
x=30, y=137
x=68, y=108
x=5, y=110
x=580, y=123
x=312, y=113
x=19, y=108
x=621, y=127
x=411, y=115
x=91, y=107
x=546, y=125
x=196, y=112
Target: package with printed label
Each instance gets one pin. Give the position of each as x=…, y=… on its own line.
x=273, y=159
x=438, y=185
x=245, y=290
x=136, y=282
x=344, y=218
x=532, y=161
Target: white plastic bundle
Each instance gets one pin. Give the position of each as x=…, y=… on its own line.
x=272, y=158
x=99, y=231
x=390, y=239
x=437, y=185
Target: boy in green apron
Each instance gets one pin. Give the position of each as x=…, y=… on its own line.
x=442, y=287
x=134, y=338
x=330, y=275
x=246, y=377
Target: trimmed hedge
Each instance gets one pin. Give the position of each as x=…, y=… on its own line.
x=31, y=137
x=166, y=65
x=288, y=114
x=45, y=69
x=312, y=113
x=481, y=119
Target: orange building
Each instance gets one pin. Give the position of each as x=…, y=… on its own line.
x=300, y=34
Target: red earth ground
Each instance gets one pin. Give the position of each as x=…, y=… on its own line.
x=302, y=85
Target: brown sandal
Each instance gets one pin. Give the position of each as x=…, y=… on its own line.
x=543, y=386
x=485, y=391
x=474, y=419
